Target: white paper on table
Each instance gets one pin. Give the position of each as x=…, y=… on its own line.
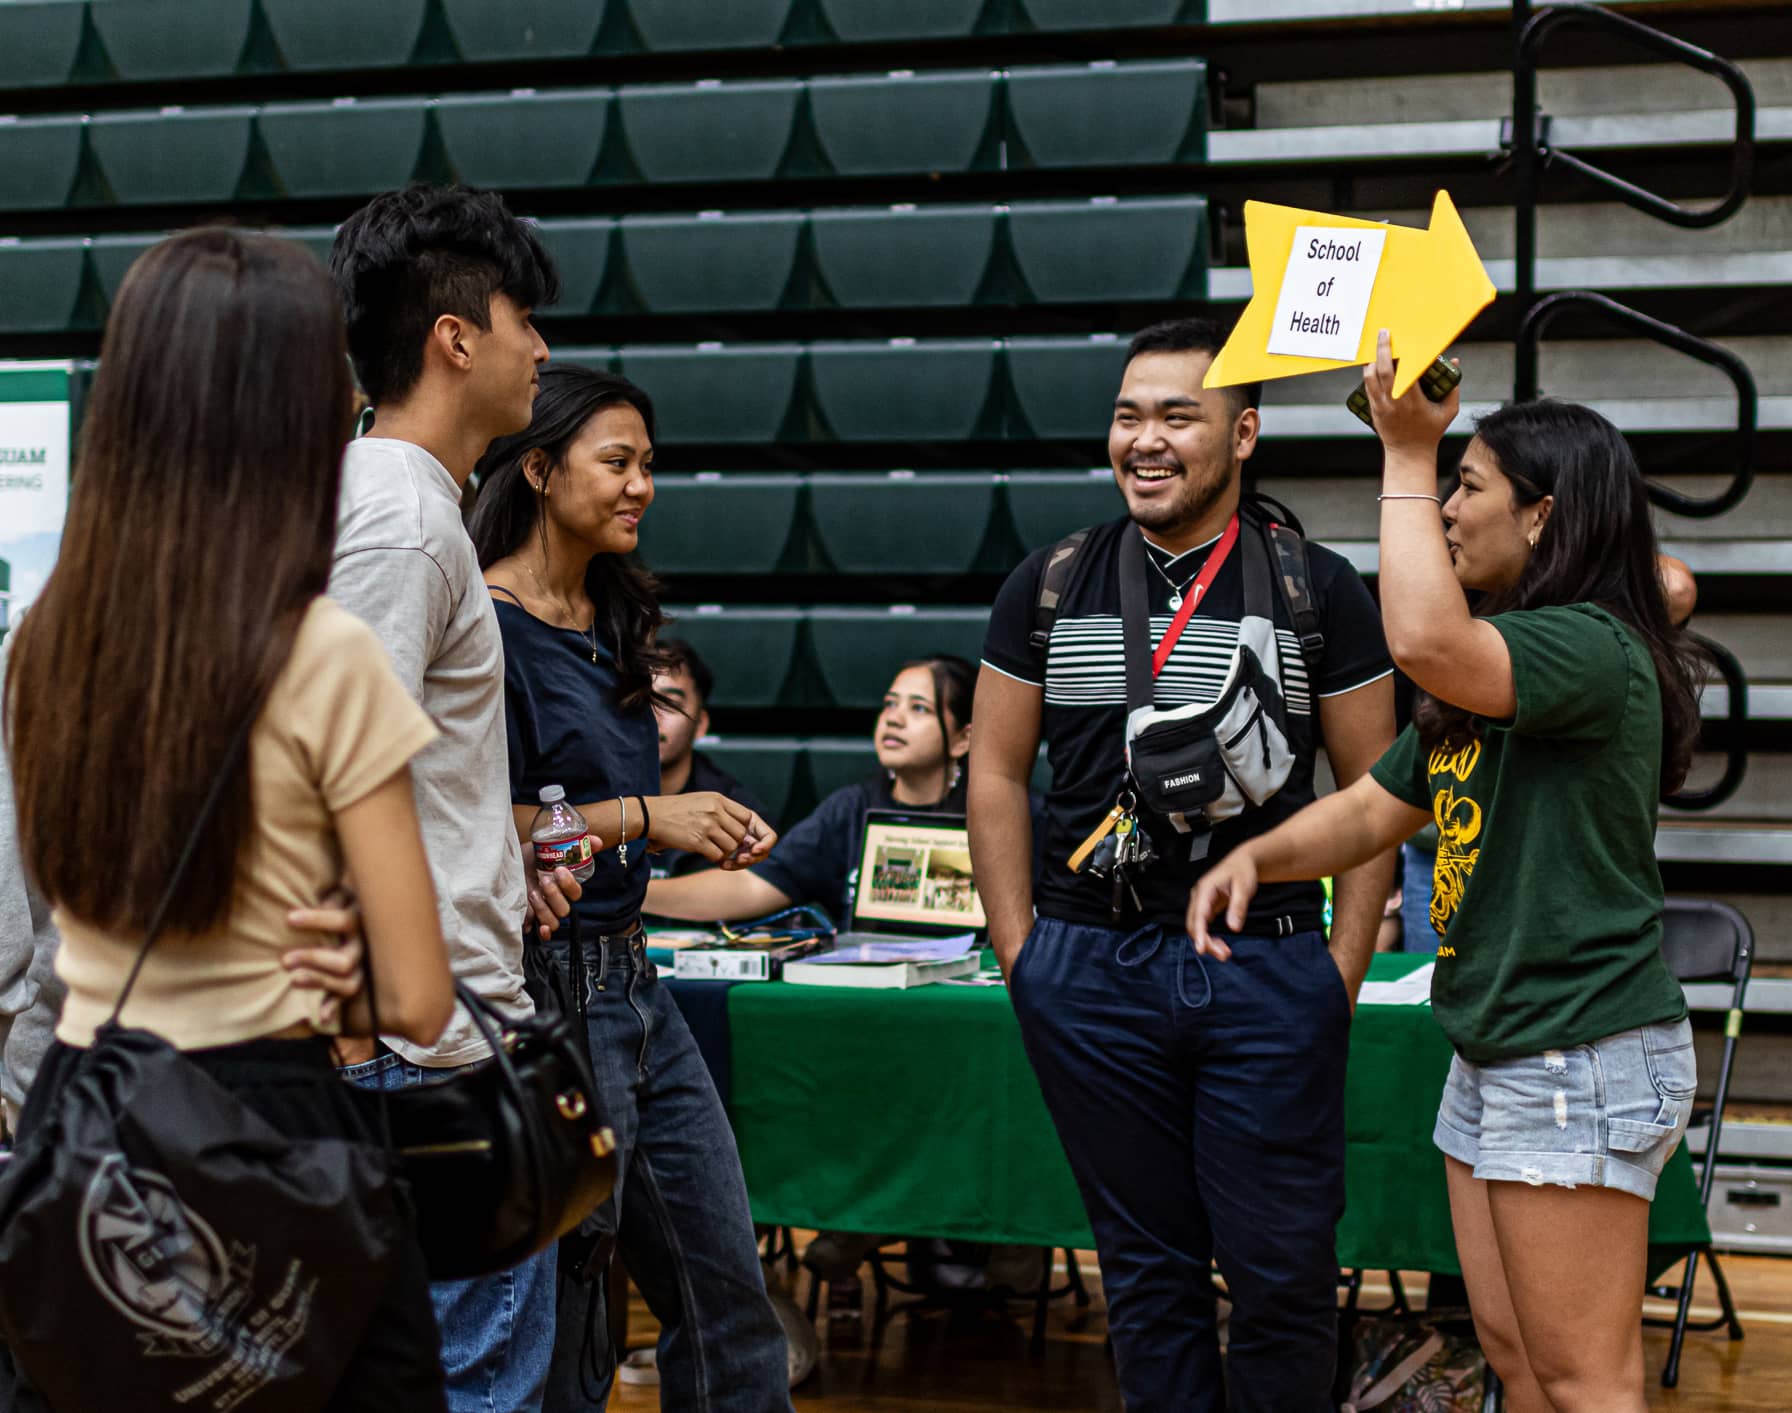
x=922, y=949
x=1413, y=989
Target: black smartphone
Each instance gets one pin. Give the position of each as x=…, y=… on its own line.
x=1437, y=380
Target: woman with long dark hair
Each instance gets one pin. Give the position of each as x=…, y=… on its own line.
x=922, y=736
x=559, y=509
x=1552, y=719
x=187, y=600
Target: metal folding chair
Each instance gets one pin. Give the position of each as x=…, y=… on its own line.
x=1706, y=941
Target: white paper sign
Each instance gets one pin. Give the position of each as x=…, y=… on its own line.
x=1325, y=292
x=34, y=456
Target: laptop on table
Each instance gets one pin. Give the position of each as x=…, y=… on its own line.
x=914, y=882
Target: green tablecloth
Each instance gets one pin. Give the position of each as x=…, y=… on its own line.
x=917, y=1112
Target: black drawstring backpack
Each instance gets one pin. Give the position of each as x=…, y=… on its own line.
x=164, y=1247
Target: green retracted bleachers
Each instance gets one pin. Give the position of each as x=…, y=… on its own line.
x=39, y=42
x=524, y=29
x=342, y=34
x=531, y=140
x=343, y=147
x=822, y=656
x=904, y=256
x=140, y=41
x=660, y=134
x=151, y=158
x=38, y=161
x=864, y=524
x=879, y=124
x=42, y=282
x=171, y=39
x=682, y=264
x=710, y=522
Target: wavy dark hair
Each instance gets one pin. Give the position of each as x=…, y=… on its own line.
x=1598, y=546
x=954, y=689
x=508, y=510
x=201, y=520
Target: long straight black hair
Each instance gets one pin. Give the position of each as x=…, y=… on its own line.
x=508, y=510
x=201, y=517
x=1598, y=547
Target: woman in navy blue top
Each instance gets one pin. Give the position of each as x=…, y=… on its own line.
x=559, y=509
x=922, y=738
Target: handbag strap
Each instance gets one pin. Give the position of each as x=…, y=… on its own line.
x=1395, y=1379
x=233, y=756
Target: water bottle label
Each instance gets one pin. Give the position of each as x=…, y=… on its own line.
x=571, y=854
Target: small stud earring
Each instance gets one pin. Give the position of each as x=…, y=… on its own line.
x=1533, y=542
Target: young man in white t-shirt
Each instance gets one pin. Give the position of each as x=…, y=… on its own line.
x=439, y=285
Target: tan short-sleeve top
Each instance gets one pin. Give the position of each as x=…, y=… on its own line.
x=337, y=725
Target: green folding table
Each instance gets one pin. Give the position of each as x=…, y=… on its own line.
x=917, y=1112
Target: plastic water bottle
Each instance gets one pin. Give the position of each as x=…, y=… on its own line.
x=561, y=837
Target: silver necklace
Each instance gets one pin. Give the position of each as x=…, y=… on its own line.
x=590, y=635
x=1175, y=588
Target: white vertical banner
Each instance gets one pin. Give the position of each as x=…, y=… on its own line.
x=34, y=465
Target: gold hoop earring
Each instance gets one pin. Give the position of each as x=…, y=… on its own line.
x=1533, y=542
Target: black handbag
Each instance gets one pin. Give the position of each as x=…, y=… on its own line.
x=163, y=1246
x=504, y=1157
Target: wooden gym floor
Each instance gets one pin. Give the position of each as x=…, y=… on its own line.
x=976, y=1362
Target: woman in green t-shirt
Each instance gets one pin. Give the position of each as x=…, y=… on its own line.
x=1551, y=718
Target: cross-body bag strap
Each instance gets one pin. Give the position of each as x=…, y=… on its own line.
x=233, y=757
x=1143, y=662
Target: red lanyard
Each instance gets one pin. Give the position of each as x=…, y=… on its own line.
x=1216, y=558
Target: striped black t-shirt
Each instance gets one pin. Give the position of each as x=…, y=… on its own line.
x=1084, y=677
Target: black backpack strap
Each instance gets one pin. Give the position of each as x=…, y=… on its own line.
x=1296, y=577
x=1259, y=588
x=1135, y=620
x=1054, y=584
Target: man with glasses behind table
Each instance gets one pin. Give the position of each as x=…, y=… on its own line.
x=1201, y=1106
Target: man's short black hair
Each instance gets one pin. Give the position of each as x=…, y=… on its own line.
x=1194, y=336
x=408, y=257
x=680, y=655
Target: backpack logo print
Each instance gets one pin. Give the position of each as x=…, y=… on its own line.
x=165, y=1269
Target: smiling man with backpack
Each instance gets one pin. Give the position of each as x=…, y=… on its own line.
x=1184, y=665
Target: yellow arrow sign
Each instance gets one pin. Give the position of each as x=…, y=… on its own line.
x=1431, y=283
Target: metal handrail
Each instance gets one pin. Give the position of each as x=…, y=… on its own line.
x=1533, y=152
x=1540, y=315
x=1742, y=145
x=1735, y=730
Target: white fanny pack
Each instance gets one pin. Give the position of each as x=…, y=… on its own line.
x=1206, y=762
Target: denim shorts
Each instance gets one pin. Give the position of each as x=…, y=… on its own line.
x=1608, y=1114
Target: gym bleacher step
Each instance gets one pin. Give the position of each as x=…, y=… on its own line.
x=1693, y=840
x=1769, y=992
x=1750, y=1131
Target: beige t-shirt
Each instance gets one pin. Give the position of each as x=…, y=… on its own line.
x=337, y=725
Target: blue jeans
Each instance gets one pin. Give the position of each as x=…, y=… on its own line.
x=679, y=1211
x=1201, y=1104
x=1416, y=868
x=497, y=1331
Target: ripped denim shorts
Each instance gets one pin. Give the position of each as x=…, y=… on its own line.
x=1608, y=1114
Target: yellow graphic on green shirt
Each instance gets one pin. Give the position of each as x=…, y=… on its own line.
x=1458, y=827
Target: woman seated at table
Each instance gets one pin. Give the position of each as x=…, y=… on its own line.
x=922, y=737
